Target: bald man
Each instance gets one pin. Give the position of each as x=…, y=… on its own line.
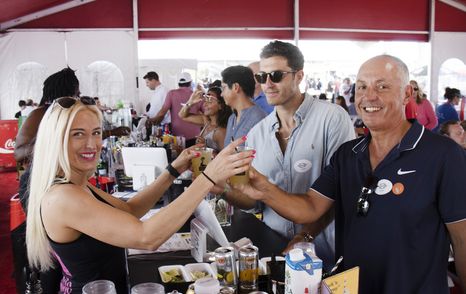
x=398, y=192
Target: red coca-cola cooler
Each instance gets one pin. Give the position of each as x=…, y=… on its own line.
x=8, y=131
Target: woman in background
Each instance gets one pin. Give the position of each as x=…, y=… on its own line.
x=340, y=100
x=425, y=111
x=447, y=111
x=215, y=117
x=86, y=229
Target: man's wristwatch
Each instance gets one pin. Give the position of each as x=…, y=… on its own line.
x=307, y=237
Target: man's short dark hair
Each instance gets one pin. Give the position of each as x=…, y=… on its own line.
x=152, y=75
x=444, y=127
x=288, y=51
x=21, y=103
x=242, y=75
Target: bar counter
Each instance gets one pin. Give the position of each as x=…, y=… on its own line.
x=144, y=268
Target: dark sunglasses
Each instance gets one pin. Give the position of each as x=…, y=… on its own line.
x=275, y=76
x=67, y=102
x=363, y=204
x=415, y=89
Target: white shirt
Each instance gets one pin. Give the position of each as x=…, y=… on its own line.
x=156, y=102
x=26, y=111
x=345, y=91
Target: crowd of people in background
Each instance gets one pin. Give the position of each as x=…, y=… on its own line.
x=339, y=91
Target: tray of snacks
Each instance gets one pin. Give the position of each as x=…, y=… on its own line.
x=173, y=274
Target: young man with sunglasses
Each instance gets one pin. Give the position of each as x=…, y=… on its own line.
x=398, y=192
x=295, y=141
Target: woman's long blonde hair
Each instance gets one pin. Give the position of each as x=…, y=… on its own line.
x=419, y=93
x=50, y=163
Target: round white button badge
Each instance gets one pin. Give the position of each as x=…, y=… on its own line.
x=383, y=187
x=302, y=166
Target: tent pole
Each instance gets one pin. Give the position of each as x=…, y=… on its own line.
x=296, y=22
x=433, y=80
x=135, y=55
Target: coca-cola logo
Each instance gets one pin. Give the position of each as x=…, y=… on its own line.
x=10, y=144
x=9, y=147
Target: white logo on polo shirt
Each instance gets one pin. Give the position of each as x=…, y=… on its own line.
x=405, y=172
x=302, y=166
x=383, y=187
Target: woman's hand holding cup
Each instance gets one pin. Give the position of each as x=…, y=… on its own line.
x=229, y=162
x=183, y=161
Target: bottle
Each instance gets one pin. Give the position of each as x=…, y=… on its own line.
x=102, y=166
x=166, y=129
x=97, y=183
x=33, y=285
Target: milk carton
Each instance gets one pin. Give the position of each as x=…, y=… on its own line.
x=302, y=271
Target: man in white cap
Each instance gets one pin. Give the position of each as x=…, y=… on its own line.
x=173, y=102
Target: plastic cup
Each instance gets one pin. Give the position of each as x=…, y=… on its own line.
x=242, y=178
x=148, y=288
x=200, y=163
x=206, y=286
x=99, y=287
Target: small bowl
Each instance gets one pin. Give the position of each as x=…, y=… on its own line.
x=193, y=270
x=167, y=276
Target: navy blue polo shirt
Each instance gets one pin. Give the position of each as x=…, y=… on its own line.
x=402, y=244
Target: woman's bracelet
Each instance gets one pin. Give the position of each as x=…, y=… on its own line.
x=172, y=171
x=207, y=177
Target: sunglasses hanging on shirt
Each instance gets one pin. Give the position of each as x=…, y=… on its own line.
x=363, y=204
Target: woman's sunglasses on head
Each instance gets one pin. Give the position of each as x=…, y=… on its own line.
x=67, y=102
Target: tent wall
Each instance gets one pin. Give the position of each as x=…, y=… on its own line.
x=45, y=48
x=56, y=50
x=446, y=45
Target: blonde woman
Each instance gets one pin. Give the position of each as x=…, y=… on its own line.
x=425, y=111
x=86, y=229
